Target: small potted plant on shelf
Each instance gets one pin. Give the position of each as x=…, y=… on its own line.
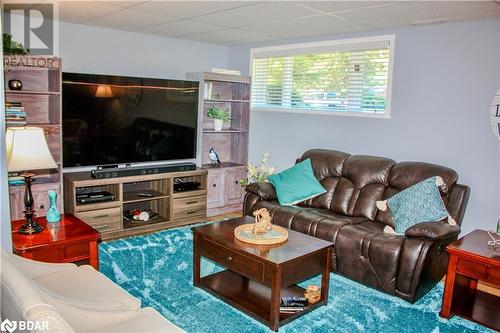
x=219, y=115
x=258, y=173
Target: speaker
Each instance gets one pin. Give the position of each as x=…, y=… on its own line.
x=144, y=170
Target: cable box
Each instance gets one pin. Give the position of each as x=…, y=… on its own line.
x=186, y=186
x=87, y=198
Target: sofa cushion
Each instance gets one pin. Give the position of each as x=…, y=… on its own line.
x=20, y=300
x=296, y=184
x=95, y=291
x=418, y=203
x=365, y=254
x=406, y=174
x=147, y=320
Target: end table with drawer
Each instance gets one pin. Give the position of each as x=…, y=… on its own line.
x=472, y=260
x=70, y=240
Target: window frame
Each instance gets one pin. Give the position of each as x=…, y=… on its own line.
x=323, y=46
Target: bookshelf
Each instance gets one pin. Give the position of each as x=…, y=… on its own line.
x=231, y=92
x=38, y=104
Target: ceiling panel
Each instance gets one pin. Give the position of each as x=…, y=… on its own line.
x=228, y=36
x=233, y=22
x=190, y=9
x=407, y=13
x=182, y=28
x=81, y=11
x=131, y=20
x=341, y=6
x=260, y=12
x=309, y=26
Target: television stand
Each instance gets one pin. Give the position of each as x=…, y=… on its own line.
x=154, y=192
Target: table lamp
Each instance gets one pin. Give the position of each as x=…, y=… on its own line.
x=27, y=150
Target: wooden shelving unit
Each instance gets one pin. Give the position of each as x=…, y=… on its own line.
x=41, y=99
x=231, y=92
x=174, y=208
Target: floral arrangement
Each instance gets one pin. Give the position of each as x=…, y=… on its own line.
x=258, y=173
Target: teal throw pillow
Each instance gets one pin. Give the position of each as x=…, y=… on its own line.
x=296, y=184
x=421, y=202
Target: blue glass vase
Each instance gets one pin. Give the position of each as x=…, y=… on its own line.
x=53, y=214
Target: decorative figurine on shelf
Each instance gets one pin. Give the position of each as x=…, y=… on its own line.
x=213, y=157
x=313, y=294
x=15, y=84
x=53, y=214
x=262, y=222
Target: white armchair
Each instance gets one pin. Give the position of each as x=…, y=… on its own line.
x=72, y=299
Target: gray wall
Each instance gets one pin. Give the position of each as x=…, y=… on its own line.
x=444, y=79
x=98, y=50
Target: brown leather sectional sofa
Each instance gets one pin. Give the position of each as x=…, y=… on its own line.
x=407, y=266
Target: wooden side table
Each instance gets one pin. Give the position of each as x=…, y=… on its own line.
x=472, y=259
x=70, y=240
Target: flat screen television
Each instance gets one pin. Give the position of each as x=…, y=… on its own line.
x=119, y=119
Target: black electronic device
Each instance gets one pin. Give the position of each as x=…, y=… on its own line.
x=111, y=119
x=186, y=186
x=93, y=197
x=142, y=170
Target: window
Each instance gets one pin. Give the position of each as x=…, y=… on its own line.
x=343, y=77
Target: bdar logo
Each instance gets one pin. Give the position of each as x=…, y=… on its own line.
x=8, y=326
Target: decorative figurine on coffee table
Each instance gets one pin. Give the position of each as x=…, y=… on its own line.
x=262, y=222
x=53, y=214
x=262, y=232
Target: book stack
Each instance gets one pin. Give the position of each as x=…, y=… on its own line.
x=15, y=179
x=292, y=304
x=15, y=114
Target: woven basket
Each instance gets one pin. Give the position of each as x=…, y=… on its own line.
x=276, y=235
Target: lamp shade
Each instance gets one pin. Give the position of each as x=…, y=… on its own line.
x=103, y=91
x=27, y=149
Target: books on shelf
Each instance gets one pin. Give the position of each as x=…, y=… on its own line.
x=15, y=179
x=293, y=304
x=15, y=115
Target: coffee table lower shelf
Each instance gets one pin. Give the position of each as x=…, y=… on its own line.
x=251, y=297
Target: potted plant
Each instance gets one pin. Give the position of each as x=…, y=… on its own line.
x=219, y=115
x=258, y=173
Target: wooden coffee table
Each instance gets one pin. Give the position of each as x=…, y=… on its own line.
x=257, y=276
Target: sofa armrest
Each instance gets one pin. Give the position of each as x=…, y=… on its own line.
x=433, y=230
x=264, y=190
x=34, y=269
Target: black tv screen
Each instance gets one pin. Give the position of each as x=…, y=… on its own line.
x=117, y=119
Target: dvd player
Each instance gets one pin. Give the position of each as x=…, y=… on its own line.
x=86, y=198
x=142, y=170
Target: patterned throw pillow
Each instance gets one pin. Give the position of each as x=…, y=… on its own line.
x=421, y=202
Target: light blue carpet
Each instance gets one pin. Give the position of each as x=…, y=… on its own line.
x=157, y=268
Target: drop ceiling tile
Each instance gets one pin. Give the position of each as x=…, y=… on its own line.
x=259, y=12
x=182, y=28
x=82, y=11
x=189, y=9
x=232, y=36
x=341, y=6
x=131, y=19
x=313, y=25
x=406, y=13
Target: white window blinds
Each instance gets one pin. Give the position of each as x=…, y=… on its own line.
x=350, y=77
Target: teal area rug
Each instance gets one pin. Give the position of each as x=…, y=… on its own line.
x=157, y=268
